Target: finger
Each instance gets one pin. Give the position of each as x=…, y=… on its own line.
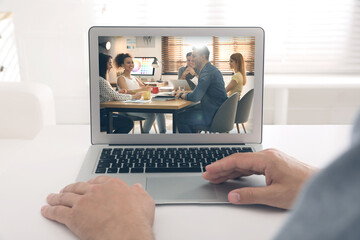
x=64, y=199
x=251, y=195
x=222, y=179
x=99, y=179
x=209, y=175
x=78, y=188
x=60, y=214
x=138, y=185
x=239, y=161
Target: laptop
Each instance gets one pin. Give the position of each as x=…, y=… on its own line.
x=180, y=84
x=170, y=166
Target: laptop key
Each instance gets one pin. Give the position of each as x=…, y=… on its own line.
x=124, y=170
x=112, y=170
x=246, y=149
x=137, y=170
x=103, y=165
x=100, y=170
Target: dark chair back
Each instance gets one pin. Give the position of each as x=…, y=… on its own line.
x=223, y=120
x=243, y=107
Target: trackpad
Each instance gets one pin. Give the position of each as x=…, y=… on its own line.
x=183, y=189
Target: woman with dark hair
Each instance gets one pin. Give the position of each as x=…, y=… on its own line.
x=239, y=79
x=133, y=85
x=121, y=124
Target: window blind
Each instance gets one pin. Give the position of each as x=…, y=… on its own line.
x=174, y=50
x=307, y=36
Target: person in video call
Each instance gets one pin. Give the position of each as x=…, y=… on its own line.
x=189, y=71
x=210, y=91
x=132, y=85
x=121, y=124
x=238, y=80
x=325, y=203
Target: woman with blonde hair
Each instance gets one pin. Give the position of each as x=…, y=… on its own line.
x=237, y=82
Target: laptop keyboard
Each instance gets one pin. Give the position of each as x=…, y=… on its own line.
x=161, y=160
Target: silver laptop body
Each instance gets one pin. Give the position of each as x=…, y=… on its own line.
x=174, y=187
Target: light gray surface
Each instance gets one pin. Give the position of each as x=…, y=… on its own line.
x=30, y=170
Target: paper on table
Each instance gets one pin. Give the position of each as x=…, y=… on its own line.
x=137, y=101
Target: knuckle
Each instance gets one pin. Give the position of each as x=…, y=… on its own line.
x=95, y=188
x=60, y=197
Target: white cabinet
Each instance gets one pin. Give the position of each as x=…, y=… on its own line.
x=9, y=64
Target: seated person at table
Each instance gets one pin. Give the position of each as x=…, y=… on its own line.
x=132, y=85
x=210, y=91
x=121, y=124
x=189, y=71
x=239, y=79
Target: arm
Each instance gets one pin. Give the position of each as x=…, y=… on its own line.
x=122, y=84
x=231, y=85
x=103, y=208
x=180, y=72
x=285, y=177
x=201, y=88
x=107, y=91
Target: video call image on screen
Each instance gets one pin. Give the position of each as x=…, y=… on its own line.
x=139, y=76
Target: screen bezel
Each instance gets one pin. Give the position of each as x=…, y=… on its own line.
x=167, y=139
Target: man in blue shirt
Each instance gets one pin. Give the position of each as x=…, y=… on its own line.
x=210, y=91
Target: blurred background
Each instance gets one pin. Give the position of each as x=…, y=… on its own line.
x=312, y=49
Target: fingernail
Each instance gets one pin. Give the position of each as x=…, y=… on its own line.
x=234, y=197
x=139, y=185
x=43, y=208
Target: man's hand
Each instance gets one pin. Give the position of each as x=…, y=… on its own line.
x=191, y=71
x=103, y=208
x=177, y=93
x=284, y=177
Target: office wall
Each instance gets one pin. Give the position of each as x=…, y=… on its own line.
x=52, y=46
x=51, y=38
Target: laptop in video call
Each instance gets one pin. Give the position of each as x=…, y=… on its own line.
x=144, y=140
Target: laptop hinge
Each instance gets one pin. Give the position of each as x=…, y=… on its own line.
x=176, y=144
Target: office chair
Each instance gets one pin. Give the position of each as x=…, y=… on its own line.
x=224, y=118
x=243, y=109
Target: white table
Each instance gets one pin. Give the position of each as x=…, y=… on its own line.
x=30, y=170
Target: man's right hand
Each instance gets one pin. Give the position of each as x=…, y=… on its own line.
x=284, y=177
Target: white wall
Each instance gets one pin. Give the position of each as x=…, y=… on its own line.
x=52, y=46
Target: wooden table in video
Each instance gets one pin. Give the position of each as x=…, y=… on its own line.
x=173, y=107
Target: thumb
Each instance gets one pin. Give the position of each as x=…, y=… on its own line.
x=250, y=195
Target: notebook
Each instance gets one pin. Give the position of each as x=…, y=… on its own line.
x=166, y=145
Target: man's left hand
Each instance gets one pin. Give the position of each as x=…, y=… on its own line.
x=103, y=208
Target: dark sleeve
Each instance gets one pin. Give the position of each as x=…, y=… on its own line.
x=328, y=208
x=200, y=90
x=180, y=72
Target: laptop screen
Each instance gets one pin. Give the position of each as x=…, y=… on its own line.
x=162, y=85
